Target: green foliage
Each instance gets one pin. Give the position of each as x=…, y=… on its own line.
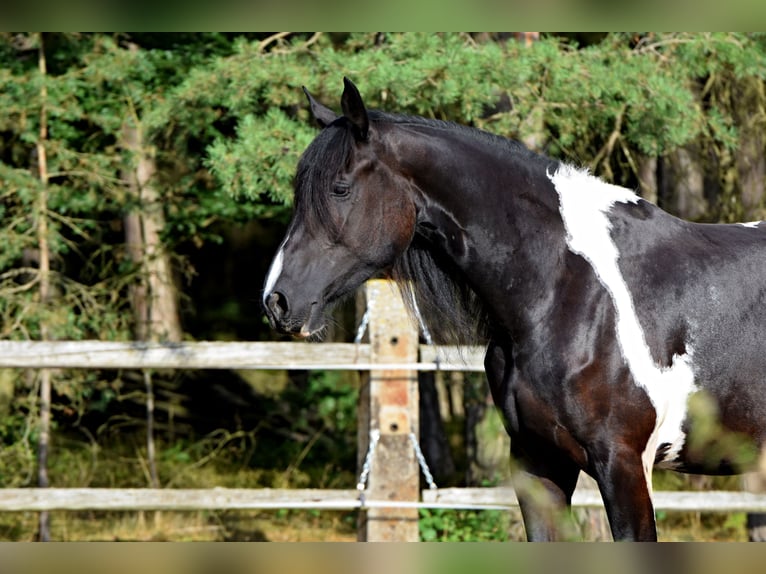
x=332, y=397
x=261, y=159
x=321, y=414
x=442, y=525
x=648, y=91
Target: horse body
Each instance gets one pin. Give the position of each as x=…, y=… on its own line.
x=606, y=318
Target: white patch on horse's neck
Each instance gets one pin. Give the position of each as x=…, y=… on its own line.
x=275, y=270
x=585, y=202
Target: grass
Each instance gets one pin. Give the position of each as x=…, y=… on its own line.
x=337, y=526
x=242, y=526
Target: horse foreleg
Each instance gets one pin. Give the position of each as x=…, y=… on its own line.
x=627, y=498
x=544, y=482
x=543, y=477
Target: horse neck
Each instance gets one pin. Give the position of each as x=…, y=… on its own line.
x=491, y=208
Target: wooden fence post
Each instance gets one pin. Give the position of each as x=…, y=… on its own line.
x=389, y=404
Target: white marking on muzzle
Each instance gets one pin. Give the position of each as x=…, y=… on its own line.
x=585, y=202
x=274, y=271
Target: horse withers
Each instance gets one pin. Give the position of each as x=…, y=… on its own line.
x=619, y=338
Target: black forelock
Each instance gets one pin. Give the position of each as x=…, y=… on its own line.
x=317, y=170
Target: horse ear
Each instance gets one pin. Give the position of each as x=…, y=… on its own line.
x=324, y=115
x=353, y=108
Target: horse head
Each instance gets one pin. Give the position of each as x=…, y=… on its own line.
x=354, y=215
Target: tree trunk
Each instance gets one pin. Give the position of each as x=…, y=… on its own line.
x=682, y=187
x=154, y=296
x=433, y=437
x=647, y=178
x=43, y=444
x=750, y=158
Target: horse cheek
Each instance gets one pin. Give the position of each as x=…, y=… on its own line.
x=385, y=233
x=402, y=228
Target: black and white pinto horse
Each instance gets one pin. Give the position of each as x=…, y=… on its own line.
x=620, y=338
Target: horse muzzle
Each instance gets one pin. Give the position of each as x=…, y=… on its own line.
x=281, y=318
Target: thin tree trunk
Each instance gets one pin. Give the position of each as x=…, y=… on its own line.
x=532, y=130
x=647, y=178
x=153, y=296
x=150, y=451
x=43, y=444
x=682, y=189
x=749, y=156
x=433, y=436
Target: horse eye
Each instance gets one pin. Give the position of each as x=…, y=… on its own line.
x=341, y=189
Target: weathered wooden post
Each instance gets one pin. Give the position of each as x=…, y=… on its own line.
x=388, y=403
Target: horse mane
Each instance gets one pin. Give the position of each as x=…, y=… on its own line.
x=507, y=144
x=436, y=292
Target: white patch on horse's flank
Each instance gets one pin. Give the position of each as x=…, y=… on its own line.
x=274, y=271
x=585, y=202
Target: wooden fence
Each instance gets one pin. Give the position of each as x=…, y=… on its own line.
x=388, y=408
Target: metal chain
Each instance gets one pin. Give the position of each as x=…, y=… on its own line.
x=426, y=332
x=360, y=331
x=367, y=465
x=362, y=484
x=422, y=461
x=423, y=327
x=362, y=326
x=365, y=318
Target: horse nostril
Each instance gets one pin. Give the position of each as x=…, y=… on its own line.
x=277, y=303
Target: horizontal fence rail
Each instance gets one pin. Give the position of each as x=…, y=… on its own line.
x=707, y=501
x=498, y=498
x=225, y=355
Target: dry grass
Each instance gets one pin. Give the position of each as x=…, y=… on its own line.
x=309, y=526
x=277, y=526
